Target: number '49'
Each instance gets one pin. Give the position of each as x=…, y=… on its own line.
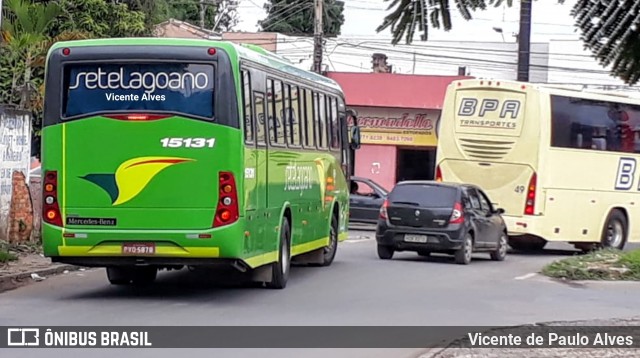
x=188, y=142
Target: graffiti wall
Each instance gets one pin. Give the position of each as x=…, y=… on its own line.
x=15, y=155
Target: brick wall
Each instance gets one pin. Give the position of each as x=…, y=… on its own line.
x=35, y=187
x=21, y=210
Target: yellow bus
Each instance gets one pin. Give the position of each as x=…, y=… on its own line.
x=562, y=163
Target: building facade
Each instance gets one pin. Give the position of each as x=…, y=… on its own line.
x=398, y=116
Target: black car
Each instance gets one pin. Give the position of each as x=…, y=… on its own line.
x=429, y=216
x=365, y=200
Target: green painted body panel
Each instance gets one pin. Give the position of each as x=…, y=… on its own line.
x=180, y=200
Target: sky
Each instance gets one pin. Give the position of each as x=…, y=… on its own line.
x=550, y=21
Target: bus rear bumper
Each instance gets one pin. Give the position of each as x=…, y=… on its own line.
x=106, y=261
x=524, y=225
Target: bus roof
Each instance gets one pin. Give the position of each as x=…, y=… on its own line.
x=559, y=89
x=243, y=51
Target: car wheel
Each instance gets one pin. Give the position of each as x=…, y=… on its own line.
x=501, y=252
x=280, y=269
x=463, y=255
x=385, y=252
x=614, y=232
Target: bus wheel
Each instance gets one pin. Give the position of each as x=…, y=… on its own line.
x=614, y=233
x=280, y=269
x=119, y=275
x=527, y=243
x=331, y=249
x=145, y=275
x=136, y=275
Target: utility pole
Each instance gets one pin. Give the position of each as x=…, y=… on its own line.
x=0, y=15
x=202, y=12
x=413, y=70
x=317, y=37
x=524, y=40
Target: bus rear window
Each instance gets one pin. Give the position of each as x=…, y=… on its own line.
x=181, y=88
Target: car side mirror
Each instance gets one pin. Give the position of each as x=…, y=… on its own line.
x=499, y=211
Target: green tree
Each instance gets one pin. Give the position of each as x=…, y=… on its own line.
x=296, y=17
x=100, y=18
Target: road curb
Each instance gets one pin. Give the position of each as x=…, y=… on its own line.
x=10, y=282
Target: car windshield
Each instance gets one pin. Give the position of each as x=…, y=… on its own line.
x=436, y=196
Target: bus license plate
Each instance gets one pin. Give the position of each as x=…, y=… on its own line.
x=415, y=238
x=138, y=248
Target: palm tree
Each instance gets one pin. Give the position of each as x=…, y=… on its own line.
x=611, y=31
x=24, y=31
x=409, y=14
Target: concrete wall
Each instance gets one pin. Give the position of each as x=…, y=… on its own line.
x=378, y=163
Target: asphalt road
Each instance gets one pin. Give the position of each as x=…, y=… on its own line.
x=358, y=289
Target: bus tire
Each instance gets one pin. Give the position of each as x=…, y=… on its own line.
x=614, y=231
x=527, y=243
x=329, y=251
x=144, y=275
x=119, y=275
x=138, y=276
x=280, y=269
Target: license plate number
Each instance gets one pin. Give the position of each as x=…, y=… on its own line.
x=415, y=238
x=137, y=248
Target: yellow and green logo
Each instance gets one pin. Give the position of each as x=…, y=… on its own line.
x=132, y=177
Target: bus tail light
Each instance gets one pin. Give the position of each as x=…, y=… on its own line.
x=50, y=208
x=227, y=211
x=383, y=210
x=457, y=216
x=138, y=117
x=438, y=173
x=529, y=207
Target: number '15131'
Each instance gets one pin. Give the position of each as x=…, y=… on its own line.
x=188, y=142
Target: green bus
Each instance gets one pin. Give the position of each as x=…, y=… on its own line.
x=162, y=153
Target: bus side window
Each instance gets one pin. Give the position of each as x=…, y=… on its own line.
x=271, y=103
x=293, y=117
x=247, y=105
x=321, y=121
x=334, y=138
x=276, y=136
x=259, y=104
x=310, y=141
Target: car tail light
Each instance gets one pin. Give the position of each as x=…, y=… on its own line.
x=227, y=211
x=529, y=207
x=438, y=173
x=138, y=117
x=456, y=215
x=383, y=210
x=50, y=208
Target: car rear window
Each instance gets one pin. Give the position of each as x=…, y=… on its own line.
x=424, y=195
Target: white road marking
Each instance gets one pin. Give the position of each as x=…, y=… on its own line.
x=524, y=277
x=353, y=241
